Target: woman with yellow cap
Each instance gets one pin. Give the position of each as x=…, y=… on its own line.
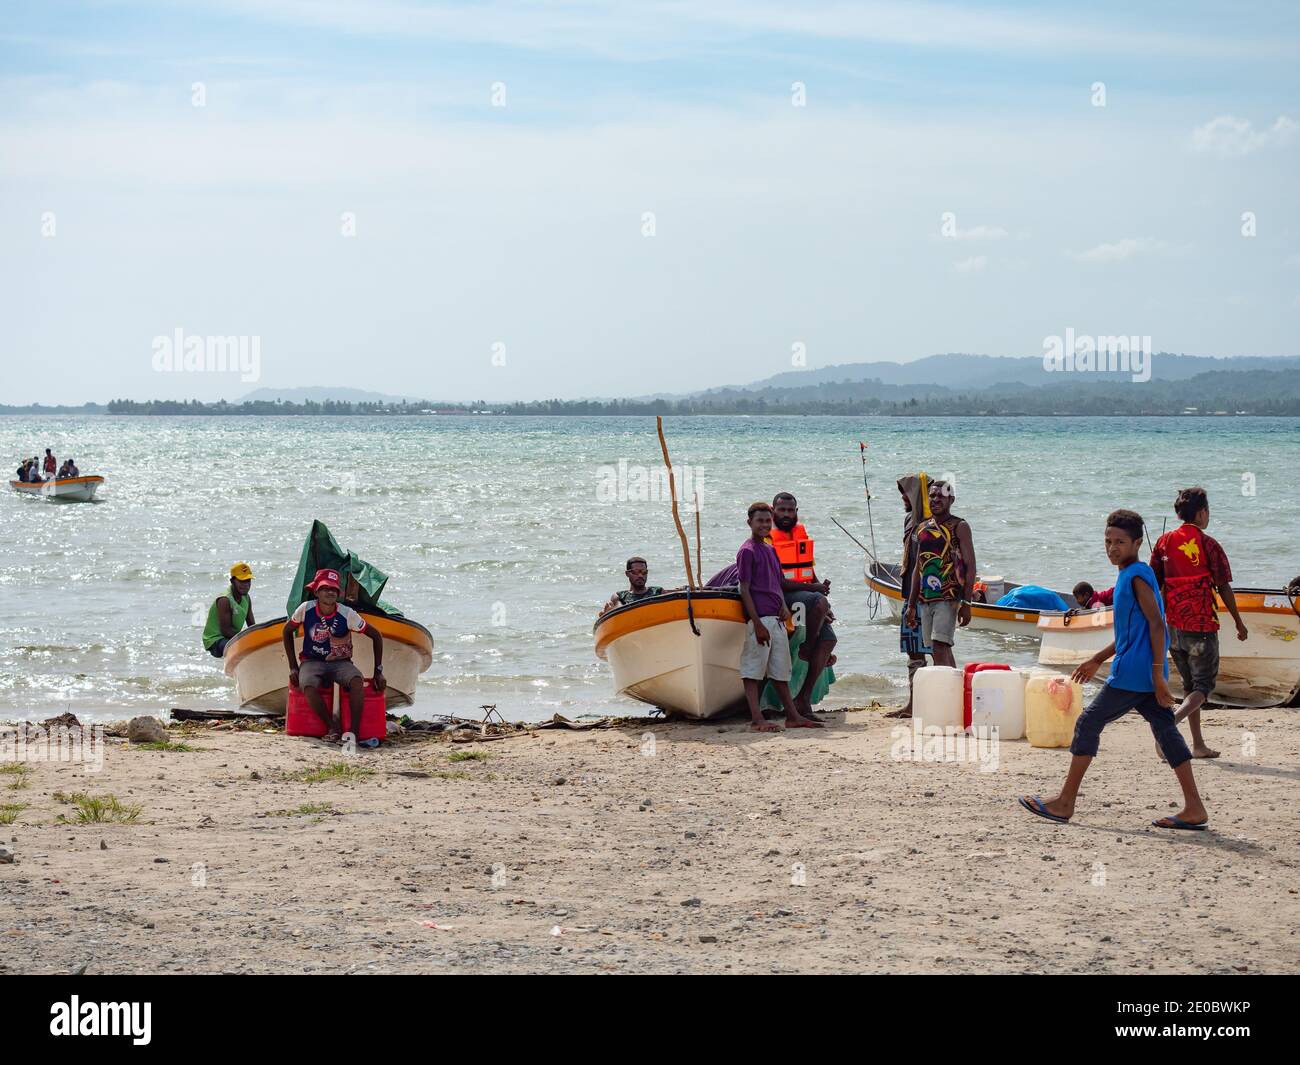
x=230, y=611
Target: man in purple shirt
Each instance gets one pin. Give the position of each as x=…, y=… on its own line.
x=766, y=654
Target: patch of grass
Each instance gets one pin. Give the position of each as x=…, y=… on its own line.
x=9, y=812
x=305, y=810
x=18, y=772
x=166, y=745
x=468, y=756
x=98, y=809
x=342, y=771
x=451, y=774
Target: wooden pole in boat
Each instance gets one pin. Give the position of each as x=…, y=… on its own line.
x=699, y=551
x=677, y=520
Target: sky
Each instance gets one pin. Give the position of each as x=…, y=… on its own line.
x=514, y=200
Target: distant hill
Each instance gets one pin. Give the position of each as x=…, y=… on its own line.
x=959, y=371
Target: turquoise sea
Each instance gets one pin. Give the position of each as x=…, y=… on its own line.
x=503, y=535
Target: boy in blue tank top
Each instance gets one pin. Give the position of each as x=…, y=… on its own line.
x=1139, y=680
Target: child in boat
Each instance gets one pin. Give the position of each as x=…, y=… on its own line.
x=1087, y=598
x=1191, y=567
x=1138, y=681
x=766, y=652
x=327, y=627
x=943, y=581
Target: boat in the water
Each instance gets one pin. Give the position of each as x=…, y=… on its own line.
x=1263, y=670
x=67, y=490
x=883, y=579
x=656, y=656
x=255, y=657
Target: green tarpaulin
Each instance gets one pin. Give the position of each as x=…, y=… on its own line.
x=798, y=670
x=362, y=582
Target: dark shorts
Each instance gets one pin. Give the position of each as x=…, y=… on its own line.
x=1113, y=703
x=218, y=648
x=808, y=599
x=1196, y=654
x=316, y=674
x=910, y=639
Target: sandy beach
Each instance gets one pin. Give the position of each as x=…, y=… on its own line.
x=705, y=849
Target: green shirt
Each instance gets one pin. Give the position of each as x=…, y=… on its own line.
x=630, y=596
x=238, y=614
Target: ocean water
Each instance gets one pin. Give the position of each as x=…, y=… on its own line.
x=504, y=535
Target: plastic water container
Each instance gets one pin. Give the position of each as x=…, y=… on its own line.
x=998, y=701
x=968, y=671
x=299, y=718
x=374, y=724
x=937, y=697
x=1052, y=705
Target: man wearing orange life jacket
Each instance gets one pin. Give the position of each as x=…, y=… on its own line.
x=805, y=595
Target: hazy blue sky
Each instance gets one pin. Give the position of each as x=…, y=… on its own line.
x=522, y=226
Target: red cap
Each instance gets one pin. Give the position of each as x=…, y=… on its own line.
x=325, y=578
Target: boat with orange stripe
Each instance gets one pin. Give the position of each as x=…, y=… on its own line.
x=256, y=660
x=67, y=490
x=679, y=651
x=1262, y=670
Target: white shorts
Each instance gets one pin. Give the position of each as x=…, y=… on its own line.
x=770, y=660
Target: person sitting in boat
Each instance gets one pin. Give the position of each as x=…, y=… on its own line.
x=72, y=469
x=50, y=463
x=637, y=572
x=327, y=627
x=34, y=472
x=63, y=471
x=1087, y=598
x=230, y=611
x=805, y=595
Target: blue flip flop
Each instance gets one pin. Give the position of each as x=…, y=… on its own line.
x=1038, y=807
x=1178, y=822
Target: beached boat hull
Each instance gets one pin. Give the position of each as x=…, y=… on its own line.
x=1264, y=670
x=69, y=490
x=656, y=658
x=883, y=579
x=256, y=659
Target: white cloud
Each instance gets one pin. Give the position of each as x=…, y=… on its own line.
x=1120, y=250
x=1232, y=137
x=974, y=265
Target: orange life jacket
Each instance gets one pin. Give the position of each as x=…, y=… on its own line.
x=795, y=551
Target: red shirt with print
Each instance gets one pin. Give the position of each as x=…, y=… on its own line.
x=1189, y=565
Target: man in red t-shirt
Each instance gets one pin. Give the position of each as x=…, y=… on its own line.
x=1191, y=567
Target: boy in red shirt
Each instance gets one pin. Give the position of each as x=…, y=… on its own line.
x=1191, y=567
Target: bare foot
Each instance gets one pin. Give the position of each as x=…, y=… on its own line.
x=1056, y=806
x=802, y=722
x=1202, y=751
x=905, y=712
x=763, y=726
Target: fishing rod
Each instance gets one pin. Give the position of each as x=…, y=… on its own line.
x=862, y=450
x=855, y=540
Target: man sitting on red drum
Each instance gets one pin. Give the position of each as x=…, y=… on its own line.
x=327, y=628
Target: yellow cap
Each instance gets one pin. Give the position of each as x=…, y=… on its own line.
x=241, y=572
